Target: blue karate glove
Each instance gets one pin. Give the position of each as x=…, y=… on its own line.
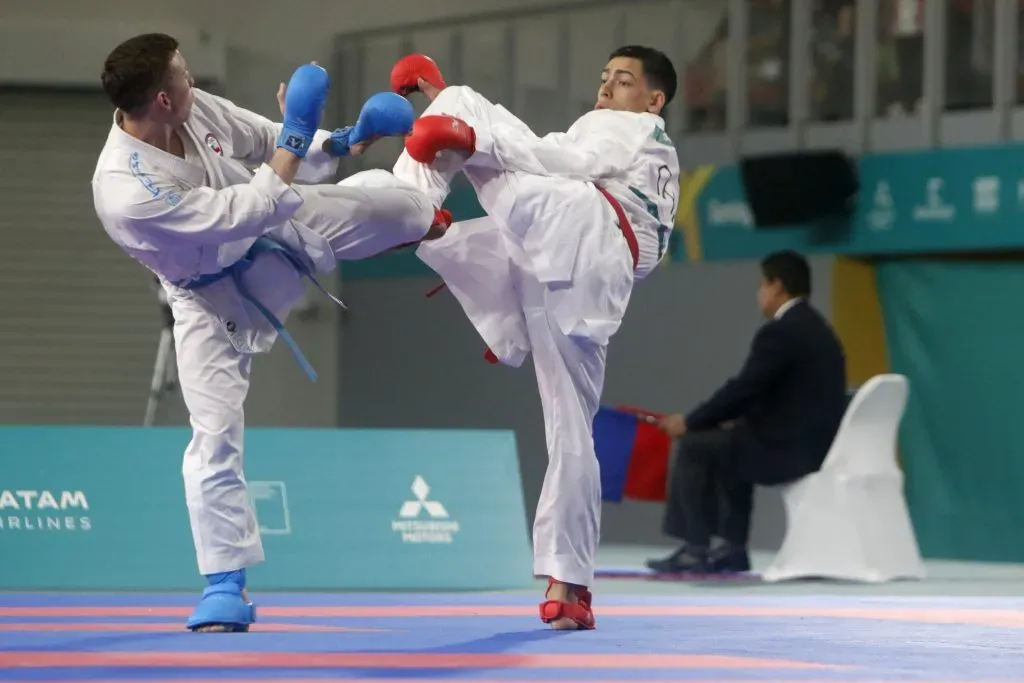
x=384, y=114
x=304, y=102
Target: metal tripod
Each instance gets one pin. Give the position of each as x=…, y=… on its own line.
x=165, y=369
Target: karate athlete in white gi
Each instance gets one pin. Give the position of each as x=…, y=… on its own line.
x=173, y=188
x=573, y=220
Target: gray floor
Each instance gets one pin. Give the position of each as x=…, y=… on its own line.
x=944, y=579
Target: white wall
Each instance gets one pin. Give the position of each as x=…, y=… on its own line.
x=292, y=30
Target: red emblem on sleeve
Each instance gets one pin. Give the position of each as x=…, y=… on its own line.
x=213, y=144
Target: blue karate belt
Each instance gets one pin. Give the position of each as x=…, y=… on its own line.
x=264, y=245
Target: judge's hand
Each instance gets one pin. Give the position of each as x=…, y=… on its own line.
x=673, y=425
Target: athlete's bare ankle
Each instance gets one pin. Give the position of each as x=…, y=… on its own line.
x=563, y=592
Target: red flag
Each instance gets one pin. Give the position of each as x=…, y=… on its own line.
x=647, y=472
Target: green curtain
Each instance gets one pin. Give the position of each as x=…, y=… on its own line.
x=955, y=328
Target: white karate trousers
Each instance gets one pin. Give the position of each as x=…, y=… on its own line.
x=360, y=217
x=495, y=267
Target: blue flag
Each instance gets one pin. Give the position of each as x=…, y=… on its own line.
x=632, y=453
x=614, y=434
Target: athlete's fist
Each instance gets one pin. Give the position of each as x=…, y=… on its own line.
x=384, y=115
x=432, y=134
x=407, y=72
x=303, y=104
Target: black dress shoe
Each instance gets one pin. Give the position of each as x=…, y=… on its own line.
x=728, y=559
x=686, y=560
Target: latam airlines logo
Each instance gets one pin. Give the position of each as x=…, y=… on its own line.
x=35, y=510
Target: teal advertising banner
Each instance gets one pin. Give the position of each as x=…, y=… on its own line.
x=941, y=200
x=95, y=508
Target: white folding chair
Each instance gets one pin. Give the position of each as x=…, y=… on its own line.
x=849, y=520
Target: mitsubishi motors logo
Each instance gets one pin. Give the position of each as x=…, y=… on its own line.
x=436, y=528
x=412, y=508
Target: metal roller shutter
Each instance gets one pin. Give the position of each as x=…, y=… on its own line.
x=79, y=320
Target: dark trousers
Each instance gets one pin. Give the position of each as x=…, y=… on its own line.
x=706, y=493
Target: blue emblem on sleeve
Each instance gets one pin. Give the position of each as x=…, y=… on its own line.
x=135, y=164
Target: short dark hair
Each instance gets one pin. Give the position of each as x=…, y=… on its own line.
x=658, y=69
x=789, y=268
x=136, y=69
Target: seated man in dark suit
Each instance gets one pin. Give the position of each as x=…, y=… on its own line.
x=771, y=424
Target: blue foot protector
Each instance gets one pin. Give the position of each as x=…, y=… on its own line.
x=222, y=608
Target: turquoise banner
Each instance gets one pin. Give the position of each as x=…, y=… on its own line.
x=955, y=330
x=104, y=509
x=943, y=200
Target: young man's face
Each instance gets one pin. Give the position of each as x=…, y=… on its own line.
x=173, y=102
x=624, y=88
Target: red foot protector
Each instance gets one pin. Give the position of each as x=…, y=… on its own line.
x=442, y=219
x=579, y=612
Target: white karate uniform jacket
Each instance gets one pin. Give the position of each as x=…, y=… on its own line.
x=629, y=154
x=546, y=218
x=182, y=218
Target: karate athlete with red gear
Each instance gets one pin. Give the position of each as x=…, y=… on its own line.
x=573, y=220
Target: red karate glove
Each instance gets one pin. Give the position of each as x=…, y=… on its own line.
x=432, y=134
x=405, y=74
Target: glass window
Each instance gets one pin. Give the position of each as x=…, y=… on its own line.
x=900, y=57
x=380, y=55
x=483, y=66
x=831, y=60
x=1019, y=80
x=970, y=52
x=705, y=73
x=538, y=101
x=592, y=35
x=768, y=33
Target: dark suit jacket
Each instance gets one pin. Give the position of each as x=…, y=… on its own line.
x=789, y=399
